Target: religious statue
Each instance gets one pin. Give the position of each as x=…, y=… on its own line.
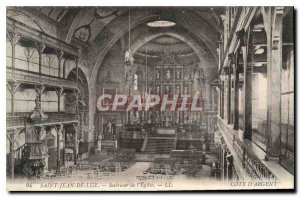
x=167, y=121
x=185, y=90
x=177, y=89
x=108, y=128
x=167, y=91
x=69, y=140
x=157, y=74
x=178, y=74
x=168, y=74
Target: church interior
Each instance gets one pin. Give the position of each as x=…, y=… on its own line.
x=238, y=60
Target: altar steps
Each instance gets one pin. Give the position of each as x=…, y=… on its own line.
x=159, y=145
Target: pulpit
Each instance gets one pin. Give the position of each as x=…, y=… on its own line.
x=34, y=156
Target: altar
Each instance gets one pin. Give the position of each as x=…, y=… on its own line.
x=166, y=131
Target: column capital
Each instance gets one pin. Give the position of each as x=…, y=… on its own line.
x=40, y=47
x=75, y=126
x=39, y=89
x=13, y=86
x=48, y=128
x=59, y=127
x=13, y=37
x=75, y=58
x=59, y=54
x=39, y=127
x=59, y=91
x=76, y=92
x=11, y=132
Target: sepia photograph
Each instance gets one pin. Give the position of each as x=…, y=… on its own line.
x=159, y=98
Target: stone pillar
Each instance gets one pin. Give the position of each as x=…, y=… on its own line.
x=76, y=93
x=63, y=132
x=40, y=49
x=229, y=90
x=59, y=54
x=59, y=92
x=236, y=93
x=247, y=58
x=212, y=92
x=64, y=69
x=273, y=25
x=11, y=137
x=75, y=126
x=225, y=94
x=222, y=99
x=224, y=164
x=12, y=87
x=14, y=39
x=77, y=77
x=227, y=170
x=59, y=134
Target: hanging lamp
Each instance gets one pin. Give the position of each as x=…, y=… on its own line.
x=128, y=54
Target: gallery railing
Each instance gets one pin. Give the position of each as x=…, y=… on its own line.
x=36, y=78
x=19, y=119
x=252, y=165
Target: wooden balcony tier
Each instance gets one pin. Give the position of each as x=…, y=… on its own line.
x=248, y=156
x=33, y=78
x=18, y=121
x=35, y=35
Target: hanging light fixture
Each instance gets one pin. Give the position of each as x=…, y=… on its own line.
x=128, y=54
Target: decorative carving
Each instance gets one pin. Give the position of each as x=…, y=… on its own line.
x=241, y=36
x=107, y=78
x=37, y=112
x=59, y=54
x=13, y=86
x=275, y=42
x=28, y=54
x=101, y=13
x=83, y=33
x=13, y=37
x=40, y=47
x=168, y=58
x=59, y=92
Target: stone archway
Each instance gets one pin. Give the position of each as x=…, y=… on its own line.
x=101, y=55
x=83, y=105
x=181, y=37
